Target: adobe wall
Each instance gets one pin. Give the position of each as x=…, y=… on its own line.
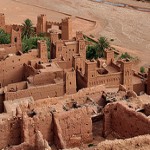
x=22, y=146
x=45, y=78
x=70, y=82
x=10, y=130
x=40, y=144
x=2, y=20
x=81, y=82
x=61, y=63
x=38, y=92
x=78, y=63
x=41, y=121
x=115, y=66
x=29, y=70
x=1, y=103
x=124, y=121
x=6, y=49
x=79, y=96
x=39, y=117
x=140, y=143
x=148, y=82
x=147, y=109
x=138, y=88
x=12, y=69
x=72, y=128
x=14, y=30
x=96, y=76
x=66, y=51
x=17, y=86
x=111, y=80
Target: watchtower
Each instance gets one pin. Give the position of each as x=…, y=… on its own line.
x=2, y=20
x=42, y=47
x=79, y=35
x=126, y=68
x=16, y=39
x=66, y=29
x=70, y=79
x=109, y=54
x=82, y=49
x=57, y=51
x=41, y=24
x=90, y=69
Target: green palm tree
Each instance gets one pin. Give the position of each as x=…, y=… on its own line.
x=4, y=37
x=91, y=52
x=28, y=29
x=101, y=46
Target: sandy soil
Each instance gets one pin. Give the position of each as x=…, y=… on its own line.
x=129, y=28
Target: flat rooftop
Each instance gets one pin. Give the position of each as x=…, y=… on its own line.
x=70, y=42
x=111, y=69
x=51, y=67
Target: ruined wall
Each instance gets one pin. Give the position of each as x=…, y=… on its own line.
x=138, y=143
x=40, y=121
x=1, y=103
x=17, y=86
x=147, y=109
x=10, y=130
x=148, y=82
x=22, y=146
x=72, y=128
x=38, y=92
x=39, y=117
x=45, y=78
x=138, y=88
x=6, y=49
x=124, y=121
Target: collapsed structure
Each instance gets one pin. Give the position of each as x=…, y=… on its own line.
x=42, y=101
